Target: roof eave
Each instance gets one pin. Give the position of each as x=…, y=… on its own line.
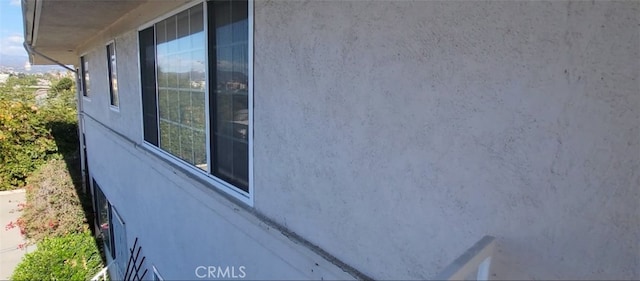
x=28, y=16
x=54, y=38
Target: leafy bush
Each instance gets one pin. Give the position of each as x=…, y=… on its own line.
x=25, y=142
x=61, y=101
x=29, y=134
x=53, y=207
x=61, y=118
x=70, y=257
x=64, y=84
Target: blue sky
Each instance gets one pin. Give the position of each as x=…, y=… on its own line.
x=11, y=34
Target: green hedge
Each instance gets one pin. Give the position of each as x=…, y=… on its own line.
x=32, y=133
x=53, y=207
x=25, y=142
x=69, y=257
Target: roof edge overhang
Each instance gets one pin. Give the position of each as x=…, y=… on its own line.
x=31, y=12
x=28, y=16
x=47, y=54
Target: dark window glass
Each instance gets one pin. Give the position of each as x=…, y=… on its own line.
x=84, y=65
x=228, y=88
x=103, y=218
x=148, y=80
x=113, y=74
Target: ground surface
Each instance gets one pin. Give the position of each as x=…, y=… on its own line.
x=10, y=239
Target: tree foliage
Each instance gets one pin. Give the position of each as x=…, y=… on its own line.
x=32, y=132
x=64, y=84
x=25, y=142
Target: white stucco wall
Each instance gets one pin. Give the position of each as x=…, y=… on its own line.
x=126, y=119
x=181, y=223
x=396, y=134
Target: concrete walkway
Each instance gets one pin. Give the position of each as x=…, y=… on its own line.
x=10, y=238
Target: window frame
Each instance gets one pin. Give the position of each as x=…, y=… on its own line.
x=205, y=175
x=108, y=245
x=114, y=106
x=119, y=260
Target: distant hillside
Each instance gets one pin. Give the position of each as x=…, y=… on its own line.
x=16, y=63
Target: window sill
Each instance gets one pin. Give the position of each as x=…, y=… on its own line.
x=203, y=177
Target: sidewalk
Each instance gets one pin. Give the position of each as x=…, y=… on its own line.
x=10, y=254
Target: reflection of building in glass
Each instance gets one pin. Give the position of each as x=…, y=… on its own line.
x=234, y=85
x=198, y=84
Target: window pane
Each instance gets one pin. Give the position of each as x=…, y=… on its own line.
x=120, y=248
x=113, y=75
x=85, y=76
x=148, y=80
x=103, y=217
x=229, y=98
x=165, y=140
x=186, y=144
x=200, y=150
x=181, y=57
x=198, y=111
x=182, y=32
x=240, y=16
x=173, y=105
x=163, y=100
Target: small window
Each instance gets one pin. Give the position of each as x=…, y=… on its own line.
x=84, y=69
x=103, y=218
x=113, y=74
x=79, y=79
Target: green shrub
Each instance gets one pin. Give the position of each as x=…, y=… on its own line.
x=29, y=134
x=53, y=207
x=25, y=142
x=63, y=85
x=70, y=257
x=61, y=102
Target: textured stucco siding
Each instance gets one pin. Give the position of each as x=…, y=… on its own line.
x=181, y=223
x=395, y=134
x=126, y=119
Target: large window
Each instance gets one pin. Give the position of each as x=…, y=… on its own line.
x=195, y=88
x=113, y=74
